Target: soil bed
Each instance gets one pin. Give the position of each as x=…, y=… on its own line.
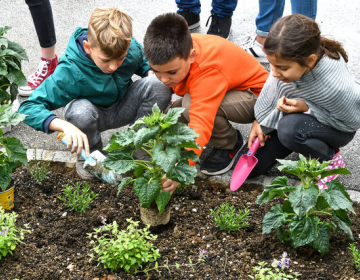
x=58, y=247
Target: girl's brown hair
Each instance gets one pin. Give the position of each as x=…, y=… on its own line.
x=296, y=37
x=110, y=30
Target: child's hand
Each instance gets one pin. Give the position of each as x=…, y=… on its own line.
x=289, y=106
x=169, y=185
x=256, y=131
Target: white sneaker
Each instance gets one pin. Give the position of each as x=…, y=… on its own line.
x=254, y=48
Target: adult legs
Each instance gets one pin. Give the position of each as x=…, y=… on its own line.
x=305, y=7
x=138, y=102
x=192, y=6
x=223, y=7
x=269, y=12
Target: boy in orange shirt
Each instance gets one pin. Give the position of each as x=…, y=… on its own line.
x=218, y=81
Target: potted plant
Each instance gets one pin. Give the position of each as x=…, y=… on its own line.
x=168, y=144
x=307, y=215
x=11, y=76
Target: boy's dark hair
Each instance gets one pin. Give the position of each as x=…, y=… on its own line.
x=166, y=38
x=296, y=37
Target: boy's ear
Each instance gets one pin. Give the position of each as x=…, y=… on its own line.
x=311, y=61
x=87, y=47
x=192, y=56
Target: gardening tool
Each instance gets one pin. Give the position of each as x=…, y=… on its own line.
x=93, y=164
x=244, y=166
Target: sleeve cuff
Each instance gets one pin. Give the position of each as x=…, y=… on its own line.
x=47, y=123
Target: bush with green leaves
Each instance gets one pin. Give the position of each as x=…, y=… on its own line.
x=123, y=249
x=356, y=256
x=307, y=214
x=11, y=76
x=167, y=142
x=39, y=169
x=10, y=234
x=228, y=218
x=78, y=197
x=14, y=154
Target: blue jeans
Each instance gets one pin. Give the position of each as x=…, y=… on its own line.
x=299, y=133
x=219, y=7
x=271, y=10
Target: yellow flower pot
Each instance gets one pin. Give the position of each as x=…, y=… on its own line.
x=7, y=198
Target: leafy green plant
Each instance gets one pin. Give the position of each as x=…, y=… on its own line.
x=167, y=142
x=11, y=76
x=10, y=235
x=127, y=249
x=276, y=272
x=228, y=220
x=39, y=170
x=78, y=197
x=14, y=153
x=307, y=215
x=356, y=256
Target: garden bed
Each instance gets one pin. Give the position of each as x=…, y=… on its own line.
x=58, y=246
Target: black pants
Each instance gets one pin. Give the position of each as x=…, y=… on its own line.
x=43, y=20
x=302, y=134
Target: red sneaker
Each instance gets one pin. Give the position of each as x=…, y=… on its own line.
x=45, y=69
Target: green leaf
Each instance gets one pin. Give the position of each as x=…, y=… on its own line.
x=16, y=77
x=178, y=134
x=3, y=41
x=3, y=68
x=5, y=29
x=162, y=199
x=275, y=218
x=344, y=222
x=166, y=158
x=277, y=188
x=287, y=208
x=120, y=139
x=8, y=116
x=146, y=191
x=120, y=162
x=183, y=173
x=304, y=230
x=185, y=155
x=341, y=171
x=322, y=241
x=321, y=204
x=144, y=135
x=172, y=116
x=21, y=54
x=302, y=200
x=337, y=197
x=5, y=176
x=124, y=182
x=15, y=150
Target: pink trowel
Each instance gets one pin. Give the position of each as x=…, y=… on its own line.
x=244, y=166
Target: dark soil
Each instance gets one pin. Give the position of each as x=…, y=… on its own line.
x=58, y=246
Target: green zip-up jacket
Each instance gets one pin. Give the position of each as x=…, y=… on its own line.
x=77, y=77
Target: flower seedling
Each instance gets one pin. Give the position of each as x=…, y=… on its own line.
x=167, y=142
x=78, y=197
x=39, y=170
x=202, y=255
x=123, y=249
x=277, y=272
x=307, y=214
x=356, y=256
x=228, y=220
x=10, y=235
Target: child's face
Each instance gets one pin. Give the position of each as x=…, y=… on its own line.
x=106, y=64
x=175, y=71
x=286, y=70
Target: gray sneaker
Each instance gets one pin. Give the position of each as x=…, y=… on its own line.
x=83, y=174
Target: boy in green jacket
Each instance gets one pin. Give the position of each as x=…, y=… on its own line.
x=93, y=80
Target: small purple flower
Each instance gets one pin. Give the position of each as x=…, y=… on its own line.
x=4, y=231
x=103, y=220
x=202, y=254
x=285, y=261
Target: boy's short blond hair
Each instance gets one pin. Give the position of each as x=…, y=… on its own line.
x=110, y=30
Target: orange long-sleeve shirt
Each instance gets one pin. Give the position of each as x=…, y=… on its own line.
x=220, y=66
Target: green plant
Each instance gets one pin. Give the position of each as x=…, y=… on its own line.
x=14, y=154
x=169, y=145
x=356, y=256
x=39, y=170
x=10, y=235
x=11, y=76
x=181, y=188
x=127, y=249
x=277, y=272
x=307, y=215
x=76, y=198
x=228, y=220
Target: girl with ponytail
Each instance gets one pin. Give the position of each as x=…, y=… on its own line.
x=310, y=103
